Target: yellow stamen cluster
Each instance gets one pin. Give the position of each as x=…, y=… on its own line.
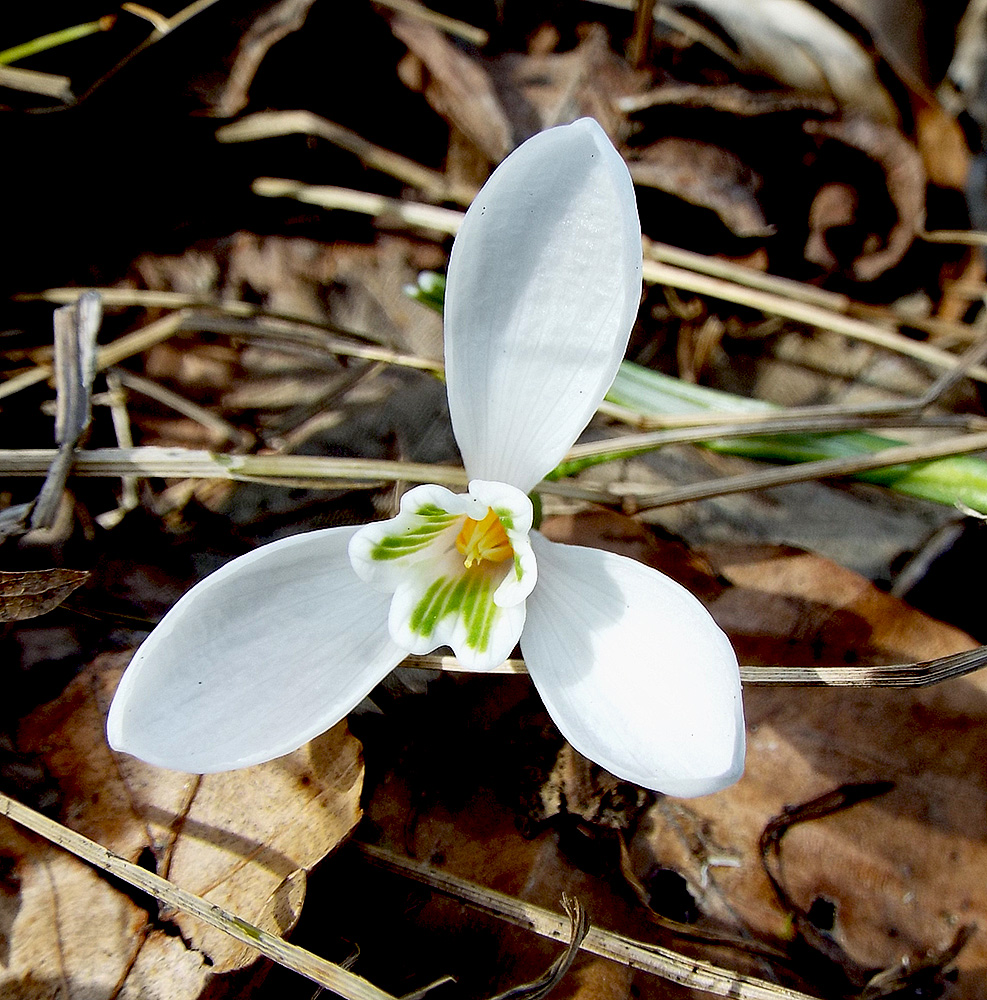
x=484, y=539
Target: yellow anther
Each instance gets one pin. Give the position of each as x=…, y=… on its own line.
x=484, y=539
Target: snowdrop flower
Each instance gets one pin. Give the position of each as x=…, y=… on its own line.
x=280, y=644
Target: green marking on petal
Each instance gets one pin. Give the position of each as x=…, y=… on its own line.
x=505, y=517
x=479, y=619
x=457, y=595
x=469, y=596
x=432, y=510
x=412, y=540
x=420, y=615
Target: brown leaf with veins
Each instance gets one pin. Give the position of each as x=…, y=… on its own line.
x=35, y=592
x=899, y=869
x=238, y=839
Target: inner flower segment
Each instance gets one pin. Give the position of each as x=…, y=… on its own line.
x=484, y=540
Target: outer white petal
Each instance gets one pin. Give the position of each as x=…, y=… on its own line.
x=260, y=657
x=543, y=287
x=634, y=671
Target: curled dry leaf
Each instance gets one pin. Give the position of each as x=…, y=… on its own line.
x=498, y=103
x=458, y=87
x=538, y=91
x=222, y=836
x=904, y=177
x=704, y=175
x=35, y=592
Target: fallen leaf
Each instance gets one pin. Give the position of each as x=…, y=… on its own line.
x=30, y=593
x=704, y=175
x=540, y=90
x=222, y=836
x=458, y=87
x=500, y=102
x=897, y=869
x=904, y=181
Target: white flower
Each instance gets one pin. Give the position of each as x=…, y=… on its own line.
x=278, y=645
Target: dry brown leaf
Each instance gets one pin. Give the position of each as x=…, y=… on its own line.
x=942, y=145
x=34, y=592
x=458, y=87
x=221, y=836
x=799, y=46
x=899, y=869
x=499, y=103
x=540, y=90
x=787, y=606
x=65, y=931
x=905, y=183
x=704, y=175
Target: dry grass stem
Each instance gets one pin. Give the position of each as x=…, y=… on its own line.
x=267, y=124
x=802, y=312
x=762, y=424
x=827, y=468
x=896, y=675
x=663, y=962
x=390, y=212
x=125, y=347
x=187, y=463
x=459, y=29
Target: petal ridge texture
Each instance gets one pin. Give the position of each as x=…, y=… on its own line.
x=258, y=658
x=543, y=287
x=634, y=671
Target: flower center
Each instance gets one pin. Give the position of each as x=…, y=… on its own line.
x=484, y=539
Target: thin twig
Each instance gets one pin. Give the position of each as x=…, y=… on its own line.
x=451, y=26
x=896, y=675
x=802, y=312
x=124, y=347
x=267, y=124
x=212, y=422
x=758, y=425
x=389, y=211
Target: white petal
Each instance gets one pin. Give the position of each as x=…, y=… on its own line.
x=260, y=657
x=634, y=671
x=543, y=287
